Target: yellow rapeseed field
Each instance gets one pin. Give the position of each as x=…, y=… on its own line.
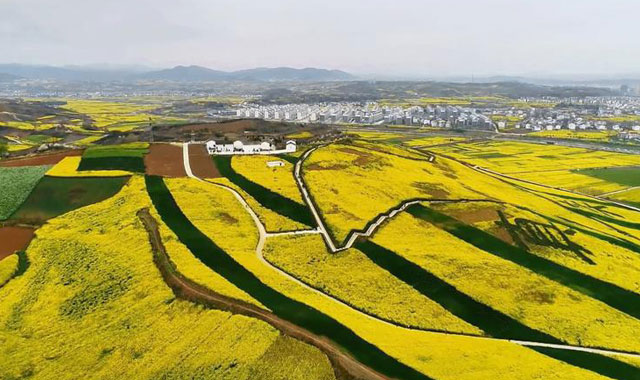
x=8, y=267
x=534, y=300
x=433, y=140
x=272, y=221
x=369, y=288
x=517, y=157
x=192, y=268
x=440, y=356
x=92, y=302
x=353, y=184
x=68, y=167
x=278, y=179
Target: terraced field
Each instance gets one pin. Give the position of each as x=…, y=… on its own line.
x=355, y=259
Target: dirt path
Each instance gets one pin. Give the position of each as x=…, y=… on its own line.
x=344, y=365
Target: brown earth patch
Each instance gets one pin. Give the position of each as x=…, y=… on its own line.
x=364, y=158
x=41, y=159
x=475, y=215
x=319, y=166
x=165, y=160
x=202, y=164
x=502, y=234
x=430, y=189
x=14, y=239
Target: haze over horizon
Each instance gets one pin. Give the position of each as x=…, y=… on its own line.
x=404, y=38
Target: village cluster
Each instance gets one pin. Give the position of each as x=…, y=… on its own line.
x=368, y=113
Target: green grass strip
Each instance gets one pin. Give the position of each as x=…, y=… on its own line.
x=293, y=311
x=126, y=163
x=601, y=364
x=491, y=321
x=267, y=198
x=613, y=295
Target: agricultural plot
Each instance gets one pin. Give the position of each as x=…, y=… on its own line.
x=601, y=136
x=343, y=179
x=40, y=159
x=631, y=197
x=526, y=305
x=516, y=157
x=370, y=288
x=268, y=196
x=433, y=140
x=125, y=157
x=68, y=167
x=577, y=169
x=272, y=221
x=109, y=313
x=232, y=255
x=278, y=179
x=15, y=185
x=164, y=160
x=201, y=163
x=55, y=196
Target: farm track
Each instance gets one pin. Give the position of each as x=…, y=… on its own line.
x=322, y=230
x=345, y=366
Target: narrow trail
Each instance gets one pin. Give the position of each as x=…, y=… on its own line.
x=619, y=191
x=263, y=235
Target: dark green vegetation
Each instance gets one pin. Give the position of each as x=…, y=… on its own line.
x=601, y=364
x=491, y=321
x=40, y=139
x=15, y=186
x=114, y=157
x=267, y=198
x=613, y=295
x=626, y=176
x=296, y=312
x=55, y=196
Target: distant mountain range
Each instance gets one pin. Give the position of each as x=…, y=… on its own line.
x=176, y=74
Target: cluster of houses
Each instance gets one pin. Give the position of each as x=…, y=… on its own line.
x=368, y=113
x=238, y=148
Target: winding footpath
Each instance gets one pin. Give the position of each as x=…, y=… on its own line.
x=263, y=235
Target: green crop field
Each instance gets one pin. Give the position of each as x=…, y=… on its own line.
x=15, y=186
x=55, y=196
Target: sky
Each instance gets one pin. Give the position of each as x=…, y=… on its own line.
x=423, y=38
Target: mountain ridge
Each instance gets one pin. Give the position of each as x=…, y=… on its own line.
x=180, y=73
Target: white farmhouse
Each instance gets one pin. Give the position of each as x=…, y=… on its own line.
x=239, y=148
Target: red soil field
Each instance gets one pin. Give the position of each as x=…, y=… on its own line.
x=41, y=159
x=14, y=239
x=201, y=162
x=165, y=160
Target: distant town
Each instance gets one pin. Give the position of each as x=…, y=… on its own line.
x=620, y=114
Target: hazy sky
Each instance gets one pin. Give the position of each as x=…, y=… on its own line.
x=419, y=37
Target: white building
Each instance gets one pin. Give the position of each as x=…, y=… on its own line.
x=238, y=147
